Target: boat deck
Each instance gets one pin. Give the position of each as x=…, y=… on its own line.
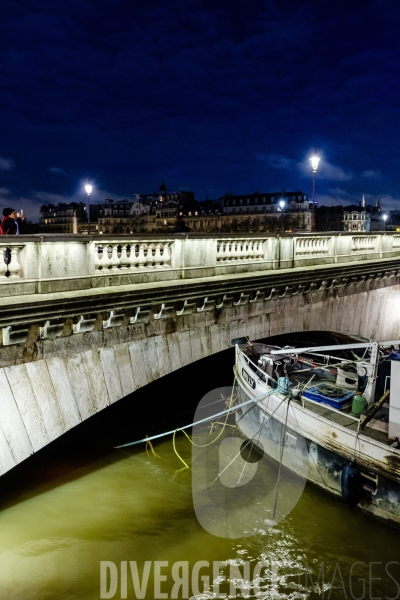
x=377, y=429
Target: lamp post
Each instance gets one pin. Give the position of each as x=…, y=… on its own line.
x=314, y=165
x=384, y=217
x=281, y=204
x=88, y=190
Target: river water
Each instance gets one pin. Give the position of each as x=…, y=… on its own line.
x=80, y=502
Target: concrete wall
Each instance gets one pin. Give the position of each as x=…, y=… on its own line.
x=60, y=382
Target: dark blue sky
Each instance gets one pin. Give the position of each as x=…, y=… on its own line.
x=207, y=95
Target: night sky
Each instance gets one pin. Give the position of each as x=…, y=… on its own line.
x=208, y=95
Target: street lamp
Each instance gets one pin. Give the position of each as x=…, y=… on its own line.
x=314, y=165
x=88, y=190
x=281, y=204
x=384, y=217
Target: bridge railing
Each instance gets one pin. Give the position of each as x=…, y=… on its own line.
x=51, y=263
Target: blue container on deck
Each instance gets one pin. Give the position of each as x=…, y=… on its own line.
x=337, y=402
x=394, y=356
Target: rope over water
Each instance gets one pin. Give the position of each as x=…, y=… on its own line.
x=223, y=412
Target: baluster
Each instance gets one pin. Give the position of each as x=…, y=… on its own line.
x=235, y=253
x=114, y=260
x=135, y=255
x=157, y=256
x=224, y=247
x=247, y=250
x=150, y=255
x=253, y=252
x=14, y=267
x=98, y=257
x=3, y=266
x=141, y=259
x=227, y=251
x=124, y=259
x=166, y=256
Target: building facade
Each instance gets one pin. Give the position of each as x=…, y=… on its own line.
x=261, y=203
x=155, y=212
x=356, y=220
x=67, y=218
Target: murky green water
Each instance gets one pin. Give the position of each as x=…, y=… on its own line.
x=78, y=509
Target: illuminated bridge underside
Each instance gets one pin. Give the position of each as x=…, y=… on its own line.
x=65, y=369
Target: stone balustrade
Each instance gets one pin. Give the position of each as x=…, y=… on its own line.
x=234, y=250
x=123, y=256
x=312, y=246
x=56, y=263
x=366, y=243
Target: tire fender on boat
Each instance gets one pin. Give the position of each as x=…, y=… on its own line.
x=351, y=484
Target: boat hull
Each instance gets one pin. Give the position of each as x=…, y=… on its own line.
x=317, y=450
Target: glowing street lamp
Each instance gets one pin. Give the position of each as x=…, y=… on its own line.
x=384, y=217
x=281, y=204
x=88, y=190
x=314, y=165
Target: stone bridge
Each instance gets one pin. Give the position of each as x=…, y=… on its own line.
x=86, y=321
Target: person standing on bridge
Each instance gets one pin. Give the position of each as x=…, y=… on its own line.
x=12, y=222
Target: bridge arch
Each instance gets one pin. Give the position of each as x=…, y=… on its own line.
x=48, y=386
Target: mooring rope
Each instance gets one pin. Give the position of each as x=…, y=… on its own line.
x=219, y=414
x=212, y=441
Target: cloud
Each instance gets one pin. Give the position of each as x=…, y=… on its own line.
x=6, y=164
x=371, y=173
x=389, y=202
x=339, y=196
x=276, y=161
x=325, y=171
x=56, y=170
